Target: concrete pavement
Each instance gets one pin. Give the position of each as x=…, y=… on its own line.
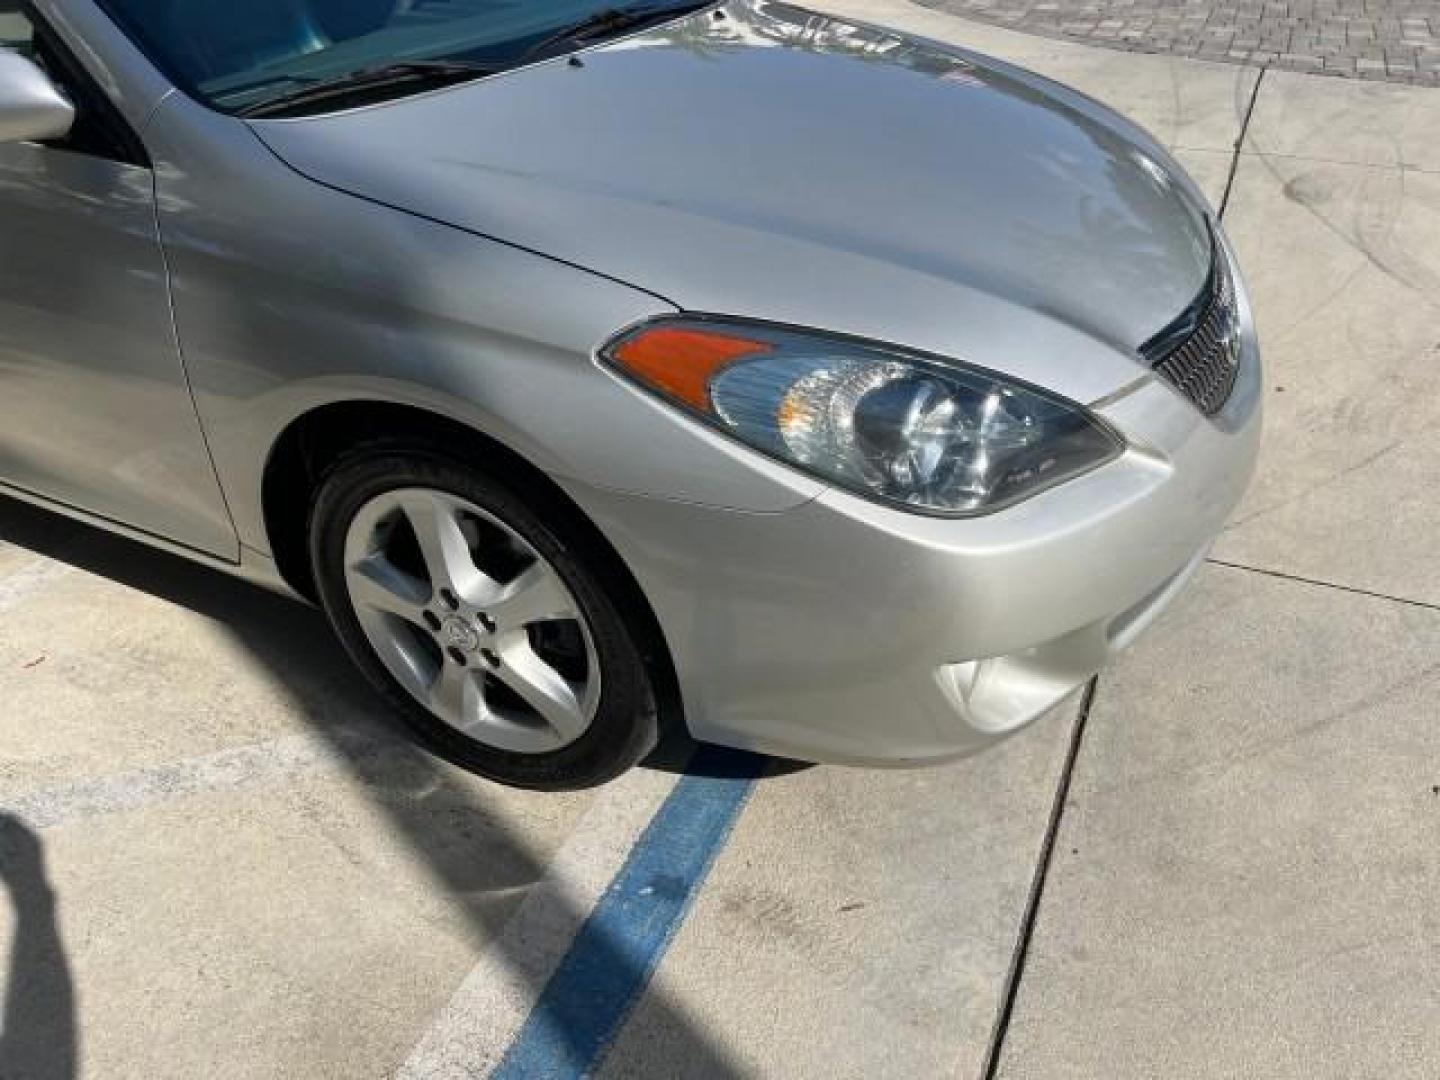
x=1243, y=883
x=222, y=862
x=1336, y=212
x=252, y=875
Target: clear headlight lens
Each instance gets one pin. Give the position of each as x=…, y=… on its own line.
x=933, y=436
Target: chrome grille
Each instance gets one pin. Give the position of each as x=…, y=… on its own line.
x=1199, y=353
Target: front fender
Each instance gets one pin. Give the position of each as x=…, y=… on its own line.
x=290, y=296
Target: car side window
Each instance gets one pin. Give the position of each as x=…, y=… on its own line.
x=99, y=129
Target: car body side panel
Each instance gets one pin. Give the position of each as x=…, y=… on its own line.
x=95, y=414
x=290, y=296
x=94, y=408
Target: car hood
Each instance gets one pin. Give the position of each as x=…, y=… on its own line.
x=766, y=161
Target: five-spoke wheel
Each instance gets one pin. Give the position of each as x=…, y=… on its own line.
x=446, y=585
x=471, y=620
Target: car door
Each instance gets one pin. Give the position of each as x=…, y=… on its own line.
x=95, y=410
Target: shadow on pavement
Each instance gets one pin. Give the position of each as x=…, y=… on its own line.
x=441, y=814
x=37, y=1027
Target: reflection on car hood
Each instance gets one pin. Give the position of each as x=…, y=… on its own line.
x=776, y=163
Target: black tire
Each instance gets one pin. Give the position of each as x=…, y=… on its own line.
x=625, y=727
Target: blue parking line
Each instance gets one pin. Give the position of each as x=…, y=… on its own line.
x=600, y=978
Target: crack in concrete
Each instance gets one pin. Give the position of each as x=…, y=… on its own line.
x=1300, y=579
x=1240, y=142
x=1037, y=888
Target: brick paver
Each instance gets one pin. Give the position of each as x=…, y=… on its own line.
x=1393, y=40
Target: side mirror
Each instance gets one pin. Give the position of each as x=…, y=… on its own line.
x=32, y=108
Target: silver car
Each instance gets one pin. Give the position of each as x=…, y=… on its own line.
x=833, y=393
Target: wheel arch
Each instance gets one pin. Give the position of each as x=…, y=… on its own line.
x=311, y=442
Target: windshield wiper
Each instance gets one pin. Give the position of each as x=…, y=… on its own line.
x=405, y=74
x=605, y=23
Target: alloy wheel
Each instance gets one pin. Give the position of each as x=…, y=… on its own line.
x=471, y=620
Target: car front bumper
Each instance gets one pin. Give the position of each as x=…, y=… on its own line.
x=847, y=631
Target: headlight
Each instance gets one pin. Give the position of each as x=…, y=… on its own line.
x=934, y=436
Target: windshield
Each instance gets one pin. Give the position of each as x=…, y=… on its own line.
x=235, y=55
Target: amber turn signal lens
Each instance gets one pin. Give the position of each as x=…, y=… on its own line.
x=679, y=362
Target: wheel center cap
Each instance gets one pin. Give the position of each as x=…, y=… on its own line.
x=460, y=634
